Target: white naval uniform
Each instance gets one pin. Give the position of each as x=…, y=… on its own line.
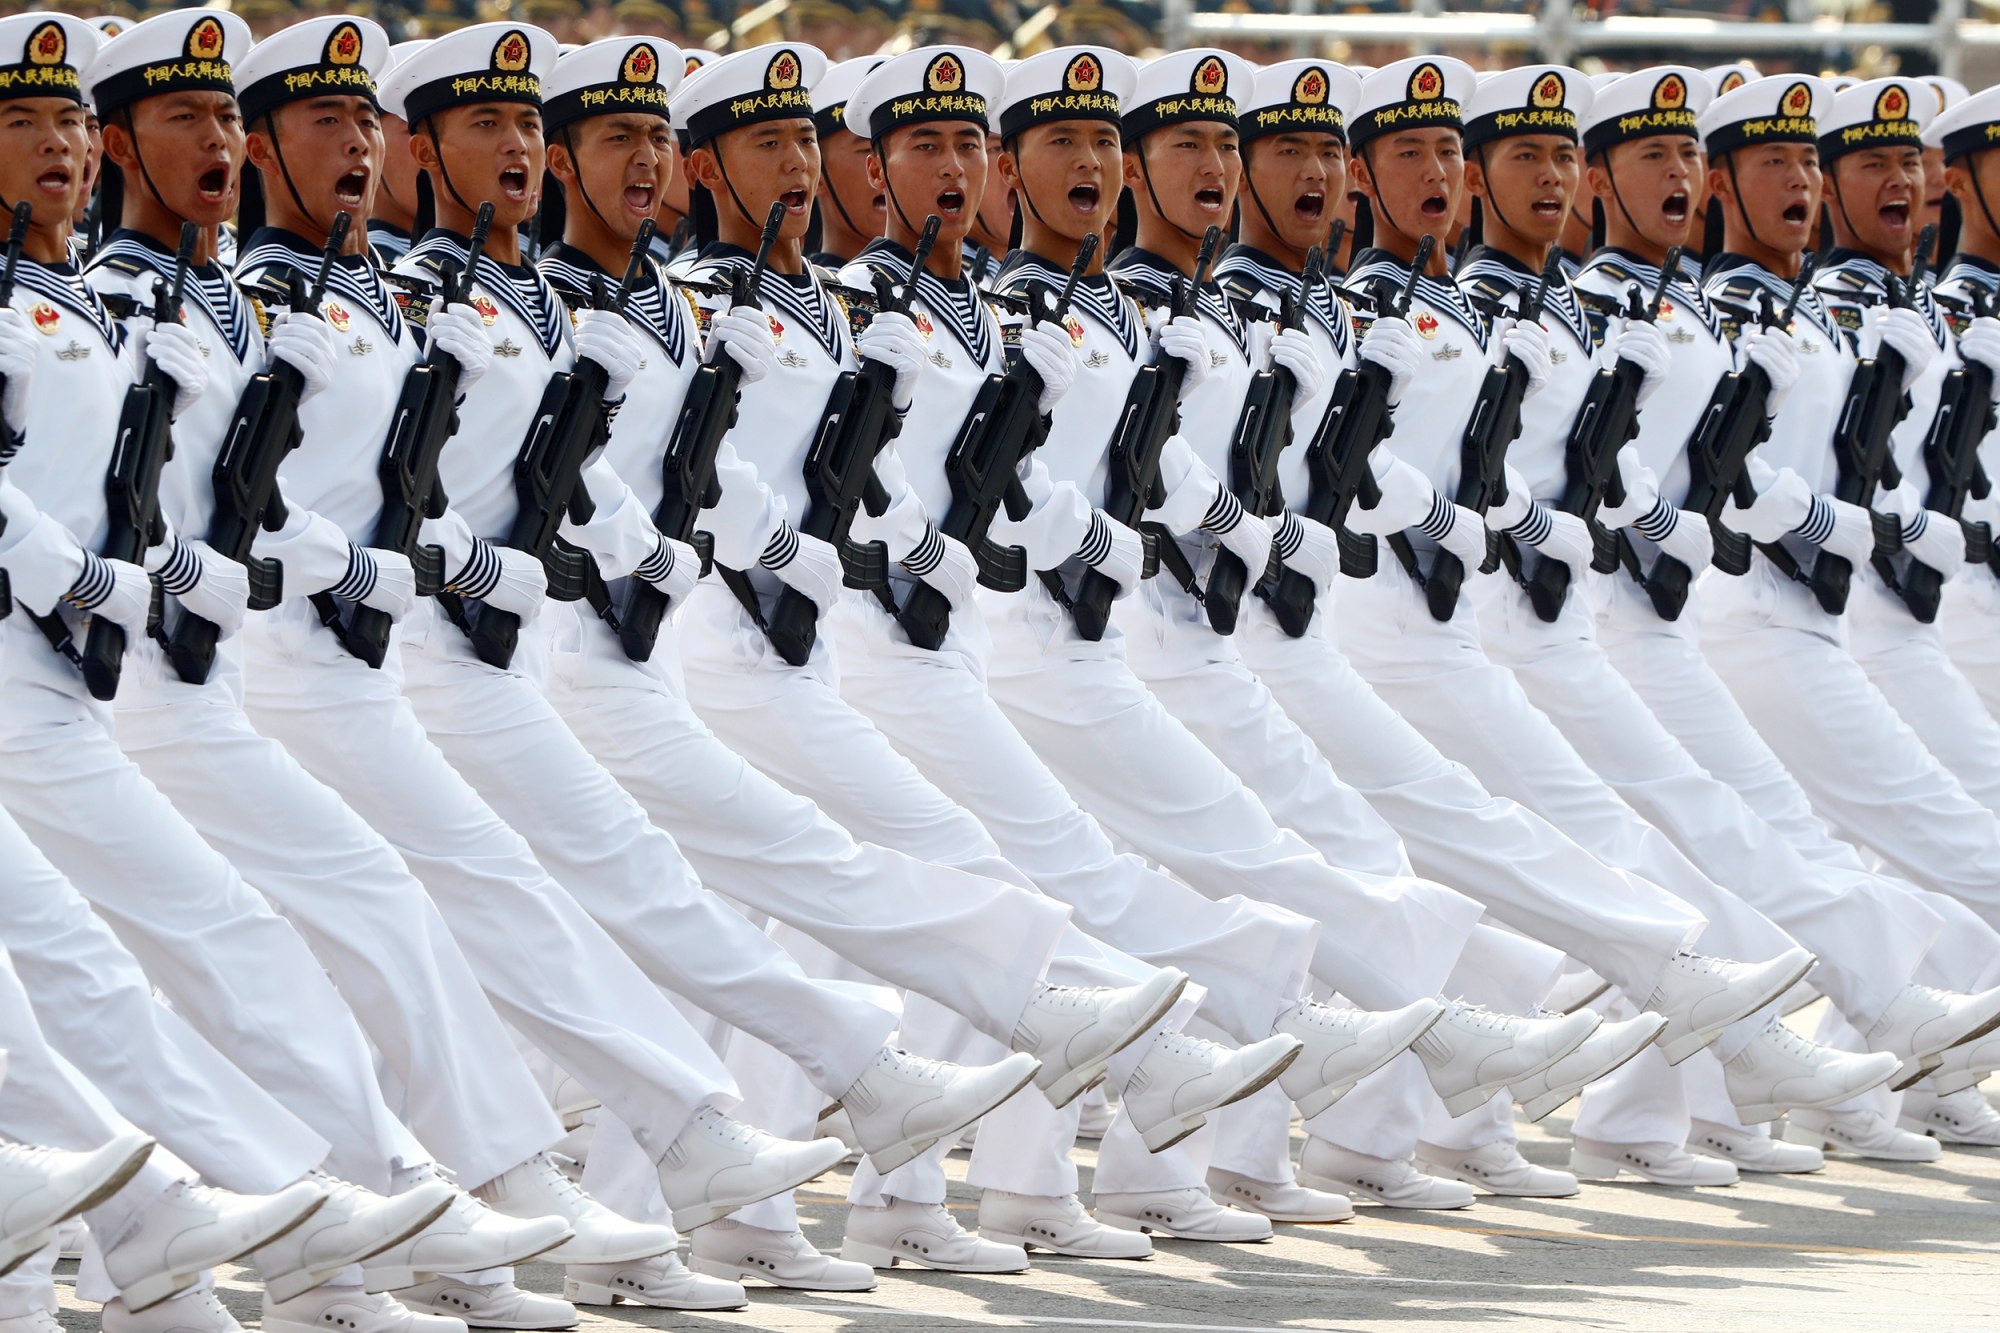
x=1970, y=615
x=239, y=972
x=464, y=1091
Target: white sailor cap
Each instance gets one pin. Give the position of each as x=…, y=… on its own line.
x=1182, y=86
x=1361, y=71
x=328, y=56
x=631, y=74
x=1881, y=113
x=1781, y=109
x=1968, y=126
x=1665, y=99
x=1067, y=83
x=402, y=51
x=183, y=50
x=487, y=62
x=1728, y=78
x=1422, y=92
x=1950, y=92
x=1533, y=99
x=43, y=55
x=1298, y=97
x=770, y=82
x=932, y=83
x=1605, y=80
x=1840, y=83
x=693, y=58
x=110, y=25
x=831, y=90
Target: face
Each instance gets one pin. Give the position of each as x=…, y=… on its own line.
x=1415, y=180
x=492, y=151
x=937, y=168
x=43, y=150
x=331, y=148
x=192, y=145
x=1775, y=188
x=844, y=160
x=398, y=176
x=1971, y=179
x=1934, y=190
x=777, y=160
x=1068, y=172
x=996, y=206
x=1878, y=192
x=1195, y=170
x=621, y=161
x=1653, y=181
x=1297, y=179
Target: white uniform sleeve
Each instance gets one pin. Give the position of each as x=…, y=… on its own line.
x=748, y=517
x=1190, y=486
x=620, y=535
x=313, y=550
x=902, y=526
x=40, y=556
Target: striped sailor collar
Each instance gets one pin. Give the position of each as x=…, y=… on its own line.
x=955, y=303
x=1250, y=269
x=803, y=298
x=1096, y=295
x=1148, y=273
x=1489, y=273
x=654, y=306
x=1730, y=279
x=525, y=291
x=1684, y=293
x=63, y=285
x=1858, y=279
x=1375, y=269
x=352, y=276
x=210, y=285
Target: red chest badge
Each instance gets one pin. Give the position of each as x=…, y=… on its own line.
x=336, y=315
x=1074, y=327
x=46, y=316
x=923, y=323
x=489, y=313
x=1427, y=325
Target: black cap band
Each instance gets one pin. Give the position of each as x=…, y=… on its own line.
x=603, y=99
x=1515, y=122
x=1646, y=124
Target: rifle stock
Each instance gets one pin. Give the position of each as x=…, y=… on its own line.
x=1951, y=460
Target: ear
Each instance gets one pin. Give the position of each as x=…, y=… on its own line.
x=703, y=169
x=1596, y=179
x=257, y=146
x=423, y=148
x=878, y=178
x=1135, y=174
x=1359, y=177
x=561, y=165
x=1009, y=168
x=1958, y=181
x=1718, y=185
x=1475, y=178
x=118, y=146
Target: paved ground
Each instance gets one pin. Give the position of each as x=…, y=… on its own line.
x=1859, y=1246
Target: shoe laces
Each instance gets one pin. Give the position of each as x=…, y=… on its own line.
x=566, y=1190
x=1480, y=1018
x=1181, y=1043
x=26, y=1154
x=1782, y=1038
x=918, y=1068
x=1327, y=1017
x=1069, y=997
x=726, y=1128
x=1698, y=964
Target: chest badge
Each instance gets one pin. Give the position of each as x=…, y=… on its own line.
x=1680, y=336
x=336, y=315
x=47, y=318
x=506, y=347
x=489, y=314
x=1074, y=327
x=792, y=358
x=940, y=360
x=1427, y=325
x=923, y=323
x=76, y=351
x=777, y=328
x=1097, y=360
x=1448, y=352
x=360, y=347
x=1666, y=309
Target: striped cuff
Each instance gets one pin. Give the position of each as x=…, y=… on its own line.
x=481, y=574
x=1917, y=526
x=93, y=585
x=359, y=580
x=1440, y=521
x=1819, y=522
x=11, y=441
x=1534, y=527
x=1224, y=514
x=656, y=566
x=783, y=548
x=1659, y=524
x=1291, y=535
x=182, y=570
x=1096, y=541
x=929, y=553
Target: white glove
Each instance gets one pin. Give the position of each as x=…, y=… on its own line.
x=120, y=592
x=1689, y=540
x=459, y=332
x=1408, y=498
x=207, y=582
x=894, y=341
x=1458, y=530
x=380, y=579
x=1980, y=342
x=1393, y=345
x=1774, y=350
x=1515, y=507
x=674, y=568
x=1293, y=349
x=603, y=336
x=1567, y=539
x=1183, y=340
x=1046, y=347
x=1642, y=492
x=814, y=570
x=1244, y=535
x=306, y=344
x=1853, y=535
x=1905, y=331
x=1305, y=546
x=523, y=585
x=1115, y=551
x=178, y=354
x=1644, y=346
x=1530, y=343
x=945, y=564
x=1780, y=507
x=17, y=364
x=746, y=335
x=1930, y=538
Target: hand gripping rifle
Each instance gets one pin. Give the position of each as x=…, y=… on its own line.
x=1149, y=418
x=1482, y=454
x=571, y=424
x=1004, y=426
x=1605, y=424
x=144, y=443
x=1263, y=431
x=1951, y=458
x=859, y=420
x=425, y=417
x=264, y=430
x=1735, y=421
x=688, y=467
x=17, y=236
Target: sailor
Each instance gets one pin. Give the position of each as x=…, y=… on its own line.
x=851, y=210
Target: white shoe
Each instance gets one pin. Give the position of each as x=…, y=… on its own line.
x=1098, y=1113
x=468, y=1237
x=1497, y=1168
x=1073, y=1030
x=71, y=1237
x=1182, y=1078
x=196, y=1312
x=1866, y=1134
x=1472, y=1053
x=41, y=1187
x=1781, y=1071
x=902, y=1104
x=1922, y=1021
x=1964, y=1117
x=1654, y=1163
x=1966, y=1066
x=191, y=1228
x=1760, y=1153
x=1187, y=1214
x=1281, y=1201
x=351, y=1310
x=1343, y=1046
x=353, y=1225
x=736, y=1250
x=536, y=1189
x=1574, y=991
x=1394, y=1182
x=1699, y=996
x=927, y=1235
x=662, y=1282
x=1058, y=1225
x=571, y=1100
x=489, y=1304
x=718, y=1165
x=834, y=1124
x=1604, y=1050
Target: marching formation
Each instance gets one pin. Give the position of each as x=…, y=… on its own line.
x=591, y=633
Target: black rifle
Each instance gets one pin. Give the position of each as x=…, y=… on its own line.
x=571, y=424
x=860, y=418
x=688, y=467
x=17, y=236
x=1875, y=406
x=1263, y=431
x=145, y=442
x=425, y=417
x=1150, y=416
x=1734, y=422
x=1358, y=418
x=1964, y=419
x=1004, y=426
x=264, y=430
x=1605, y=424
x=1482, y=454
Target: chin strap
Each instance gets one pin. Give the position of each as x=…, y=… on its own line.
x=1146, y=172
x=278, y=149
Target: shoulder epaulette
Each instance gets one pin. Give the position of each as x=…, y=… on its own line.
x=126, y=264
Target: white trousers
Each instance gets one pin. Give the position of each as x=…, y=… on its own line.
x=1910, y=664
x=1969, y=618
x=551, y=971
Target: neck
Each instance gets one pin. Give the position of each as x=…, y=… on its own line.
x=1978, y=240
x=503, y=240
x=1784, y=263
x=1167, y=241
x=156, y=224
x=947, y=257
x=291, y=220
x=788, y=255
x=48, y=243
x=1404, y=247
x=1896, y=261
x=667, y=219
x=1058, y=249
x=388, y=209
x=981, y=234
x=1499, y=236
x=585, y=231
x=1630, y=239
x=1258, y=235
